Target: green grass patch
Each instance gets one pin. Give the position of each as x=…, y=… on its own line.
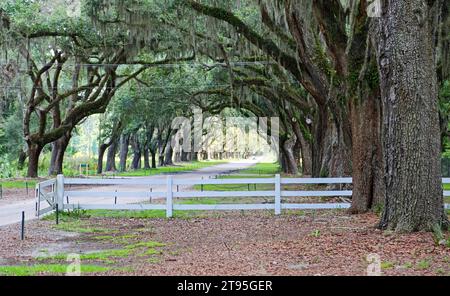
x=122, y=239
x=18, y=184
x=263, y=168
x=105, y=256
x=149, y=244
x=423, y=264
x=202, y=201
x=387, y=265
x=80, y=227
x=141, y=248
x=144, y=214
x=29, y=270
x=183, y=167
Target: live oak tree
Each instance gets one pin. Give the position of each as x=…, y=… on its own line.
x=405, y=37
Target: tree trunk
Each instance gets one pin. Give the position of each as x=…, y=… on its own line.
x=153, y=153
x=124, y=143
x=34, y=151
x=160, y=150
x=195, y=156
x=184, y=156
x=146, y=158
x=367, y=156
x=57, y=158
x=169, y=154
x=411, y=139
x=111, y=157
x=101, y=152
x=288, y=152
x=21, y=161
x=136, y=162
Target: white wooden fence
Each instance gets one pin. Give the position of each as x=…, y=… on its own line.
x=53, y=194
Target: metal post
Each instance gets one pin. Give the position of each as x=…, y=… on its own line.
x=1, y=191
x=115, y=198
x=57, y=214
x=37, y=196
x=22, y=233
x=169, y=201
x=277, y=194
x=151, y=190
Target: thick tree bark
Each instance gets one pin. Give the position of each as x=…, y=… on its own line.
x=101, y=153
x=169, y=155
x=153, y=153
x=58, y=150
x=21, y=161
x=146, y=158
x=411, y=139
x=160, y=150
x=34, y=151
x=290, y=164
x=367, y=156
x=124, y=143
x=111, y=157
x=136, y=162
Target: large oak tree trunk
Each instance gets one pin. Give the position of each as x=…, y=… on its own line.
x=34, y=151
x=288, y=153
x=411, y=139
x=101, y=153
x=169, y=155
x=136, y=162
x=153, y=153
x=146, y=158
x=58, y=150
x=124, y=143
x=111, y=157
x=367, y=157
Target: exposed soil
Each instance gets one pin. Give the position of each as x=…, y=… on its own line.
x=240, y=243
x=12, y=195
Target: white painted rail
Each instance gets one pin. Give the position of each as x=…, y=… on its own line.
x=53, y=193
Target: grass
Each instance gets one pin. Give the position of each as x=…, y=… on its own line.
x=387, y=265
x=148, y=244
x=182, y=167
x=423, y=264
x=18, y=184
x=146, y=248
x=105, y=255
x=144, y=214
x=29, y=270
x=263, y=168
x=80, y=227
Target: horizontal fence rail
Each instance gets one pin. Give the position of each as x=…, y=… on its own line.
x=53, y=194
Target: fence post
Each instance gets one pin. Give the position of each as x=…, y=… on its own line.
x=60, y=192
x=37, y=195
x=169, y=196
x=277, y=194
